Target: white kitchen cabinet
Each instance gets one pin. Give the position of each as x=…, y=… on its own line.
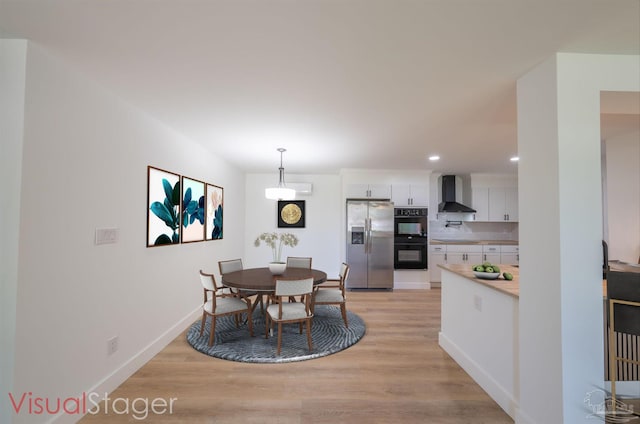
x=503, y=204
x=410, y=195
x=491, y=253
x=480, y=202
x=510, y=255
x=495, y=204
x=471, y=255
x=368, y=191
x=437, y=256
x=452, y=254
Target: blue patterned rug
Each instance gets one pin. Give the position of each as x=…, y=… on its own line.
x=328, y=333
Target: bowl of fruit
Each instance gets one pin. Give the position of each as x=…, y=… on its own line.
x=488, y=271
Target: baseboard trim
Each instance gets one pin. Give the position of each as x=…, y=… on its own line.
x=504, y=399
x=128, y=368
x=522, y=418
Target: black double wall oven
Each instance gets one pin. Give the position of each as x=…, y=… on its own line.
x=410, y=238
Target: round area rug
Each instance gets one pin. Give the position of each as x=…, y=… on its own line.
x=328, y=333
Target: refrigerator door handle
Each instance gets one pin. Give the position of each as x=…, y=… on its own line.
x=368, y=233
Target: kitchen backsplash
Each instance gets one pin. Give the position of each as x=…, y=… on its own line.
x=474, y=231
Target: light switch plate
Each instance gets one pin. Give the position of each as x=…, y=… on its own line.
x=106, y=235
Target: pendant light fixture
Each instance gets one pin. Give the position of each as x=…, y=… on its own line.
x=281, y=192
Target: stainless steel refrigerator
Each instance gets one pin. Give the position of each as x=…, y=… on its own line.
x=370, y=244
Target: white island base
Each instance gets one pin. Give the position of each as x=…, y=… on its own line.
x=479, y=330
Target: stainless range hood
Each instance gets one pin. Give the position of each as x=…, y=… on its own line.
x=449, y=203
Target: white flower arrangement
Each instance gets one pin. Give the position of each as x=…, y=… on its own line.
x=275, y=241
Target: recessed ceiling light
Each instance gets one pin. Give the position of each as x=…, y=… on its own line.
x=515, y=159
x=434, y=158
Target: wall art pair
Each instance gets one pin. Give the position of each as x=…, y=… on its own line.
x=181, y=209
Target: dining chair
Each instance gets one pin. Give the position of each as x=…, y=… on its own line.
x=218, y=303
x=233, y=265
x=285, y=312
x=298, y=262
x=332, y=292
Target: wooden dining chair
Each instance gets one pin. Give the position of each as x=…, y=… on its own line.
x=218, y=303
x=298, y=262
x=333, y=292
x=233, y=265
x=283, y=311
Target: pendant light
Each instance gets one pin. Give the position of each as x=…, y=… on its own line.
x=281, y=192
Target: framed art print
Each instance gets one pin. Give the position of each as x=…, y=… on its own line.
x=163, y=207
x=214, y=209
x=192, y=212
x=291, y=214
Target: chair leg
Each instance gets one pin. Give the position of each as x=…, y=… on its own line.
x=213, y=330
x=300, y=327
x=203, y=323
x=343, y=309
x=309, y=334
x=250, y=322
x=279, y=336
x=266, y=326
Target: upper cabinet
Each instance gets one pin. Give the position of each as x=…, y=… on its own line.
x=495, y=200
x=503, y=204
x=368, y=191
x=480, y=202
x=410, y=195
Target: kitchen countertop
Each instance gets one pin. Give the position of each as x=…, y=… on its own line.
x=479, y=242
x=511, y=288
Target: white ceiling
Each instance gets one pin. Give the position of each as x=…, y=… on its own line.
x=339, y=83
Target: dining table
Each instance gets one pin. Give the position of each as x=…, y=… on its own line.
x=263, y=281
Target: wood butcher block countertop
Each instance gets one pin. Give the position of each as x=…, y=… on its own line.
x=479, y=242
x=511, y=288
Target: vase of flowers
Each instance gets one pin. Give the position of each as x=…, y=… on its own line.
x=276, y=241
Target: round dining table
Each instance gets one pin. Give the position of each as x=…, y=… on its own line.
x=263, y=281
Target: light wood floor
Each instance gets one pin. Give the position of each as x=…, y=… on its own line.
x=396, y=374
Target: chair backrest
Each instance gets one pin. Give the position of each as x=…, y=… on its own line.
x=208, y=281
x=298, y=262
x=230, y=266
x=294, y=287
x=625, y=286
x=344, y=272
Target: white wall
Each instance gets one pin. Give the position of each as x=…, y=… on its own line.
x=623, y=196
x=320, y=239
x=561, y=346
x=13, y=54
x=85, y=166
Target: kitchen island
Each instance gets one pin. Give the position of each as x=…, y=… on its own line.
x=479, y=330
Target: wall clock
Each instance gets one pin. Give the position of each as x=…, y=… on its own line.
x=291, y=213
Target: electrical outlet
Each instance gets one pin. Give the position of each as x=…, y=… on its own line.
x=112, y=345
x=477, y=302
